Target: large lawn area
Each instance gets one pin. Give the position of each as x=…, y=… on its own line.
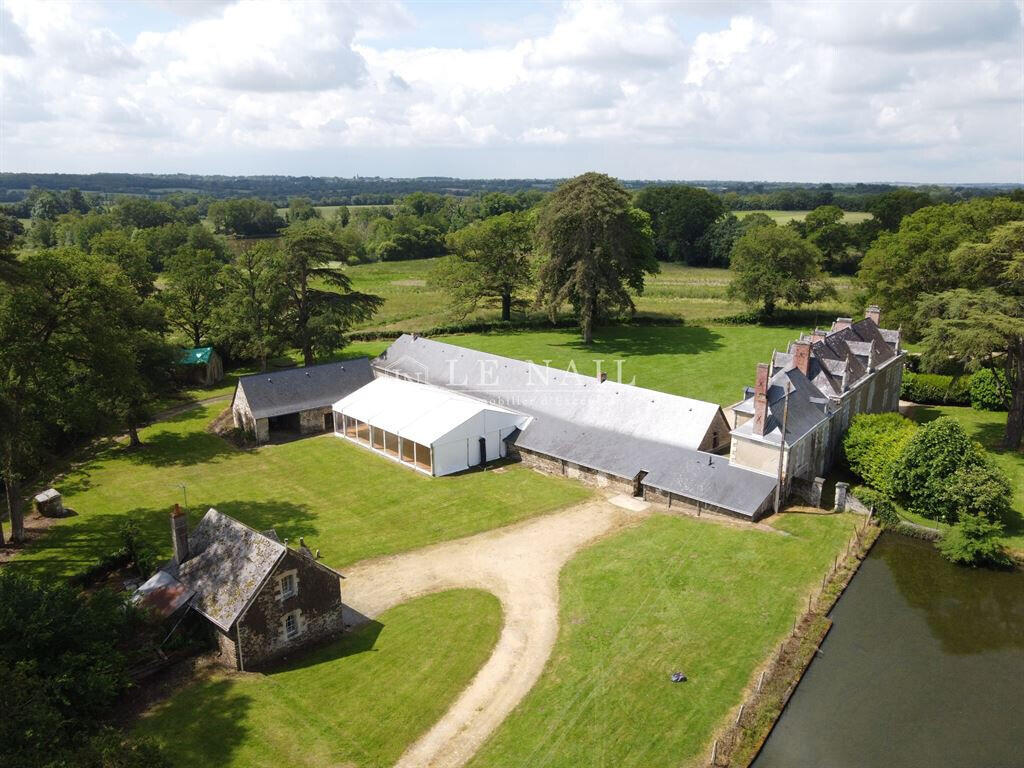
x=784, y=217
x=987, y=428
x=705, y=362
x=359, y=701
x=350, y=503
x=674, y=594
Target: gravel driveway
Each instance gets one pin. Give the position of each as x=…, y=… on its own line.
x=520, y=565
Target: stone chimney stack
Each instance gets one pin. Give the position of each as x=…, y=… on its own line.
x=818, y=335
x=179, y=534
x=871, y=358
x=761, y=399
x=874, y=313
x=802, y=356
x=841, y=323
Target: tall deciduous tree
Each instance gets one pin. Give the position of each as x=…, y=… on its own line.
x=249, y=320
x=192, y=292
x=490, y=260
x=774, y=264
x=680, y=218
x=319, y=317
x=597, y=248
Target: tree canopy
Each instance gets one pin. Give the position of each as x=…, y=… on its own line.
x=680, y=218
x=596, y=248
x=490, y=259
x=774, y=264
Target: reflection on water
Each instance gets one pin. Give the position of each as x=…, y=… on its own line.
x=924, y=666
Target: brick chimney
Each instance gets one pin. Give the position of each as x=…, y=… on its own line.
x=841, y=323
x=802, y=356
x=819, y=334
x=874, y=313
x=179, y=534
x=761, y=399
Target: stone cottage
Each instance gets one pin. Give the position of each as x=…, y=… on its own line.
x=263, y=598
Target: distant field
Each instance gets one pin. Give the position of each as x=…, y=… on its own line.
x=784, y=217
x=695, y=294
x=328, y=210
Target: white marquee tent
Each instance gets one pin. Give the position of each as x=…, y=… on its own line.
x=436, y=431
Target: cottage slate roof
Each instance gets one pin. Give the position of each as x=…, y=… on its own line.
x=807, y=408
x=196, y=356
x=539, y=391
x=274, y=393
x=229, y=563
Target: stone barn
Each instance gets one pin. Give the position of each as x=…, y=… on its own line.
x=295, y=401
x=201, y=365
x=263, y=599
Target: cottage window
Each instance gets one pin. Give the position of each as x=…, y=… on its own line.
x=288, y=586
x=291, y=625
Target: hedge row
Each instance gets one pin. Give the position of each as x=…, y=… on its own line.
x=936, y=389
x=494, y=326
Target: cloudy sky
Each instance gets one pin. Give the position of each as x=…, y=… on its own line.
x=805, y=91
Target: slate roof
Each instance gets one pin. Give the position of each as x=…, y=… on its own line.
x=684, y=472
x=807, y=408
x=275, y=393
x=540, y=391
x=197, y=356
x=229, y=562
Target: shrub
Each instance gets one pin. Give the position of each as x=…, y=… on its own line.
x=974, y=541
x=981, y=490
x=989, y=391
x=936, y=389
x=885, y=509
x=874, y=445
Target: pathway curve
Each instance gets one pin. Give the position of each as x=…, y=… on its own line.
x=520, y=565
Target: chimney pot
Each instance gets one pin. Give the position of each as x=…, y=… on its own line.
x=179, y=534
x=802, y=356
x=761, y=399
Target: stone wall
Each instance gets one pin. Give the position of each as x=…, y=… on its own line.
x=317, y=605
x=312, y=421
x=585, y=475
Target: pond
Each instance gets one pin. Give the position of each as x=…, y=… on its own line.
x=924, y=666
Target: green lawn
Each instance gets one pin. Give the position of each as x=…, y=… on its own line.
x=674, y=594
x=784, y=217
x=987, y=428
x=359, y=701
x=347, y=501
x=706, y=362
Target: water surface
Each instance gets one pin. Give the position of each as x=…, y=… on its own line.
x=924, y=666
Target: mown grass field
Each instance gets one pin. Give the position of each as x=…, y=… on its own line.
x=675, y=594
x=347, y=501
x=359, y=701
x=784, y=217
x=694, y=294
x=987, y=428
x=711, y=363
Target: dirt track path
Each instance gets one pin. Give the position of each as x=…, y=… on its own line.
x=520, y=565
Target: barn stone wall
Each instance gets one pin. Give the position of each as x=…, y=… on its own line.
x=585, y=475
x=312, y=421
x=317, y=601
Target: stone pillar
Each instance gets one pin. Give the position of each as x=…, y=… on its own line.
x=815, y=495
x=841, y=490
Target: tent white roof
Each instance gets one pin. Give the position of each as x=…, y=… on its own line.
x=417, y=412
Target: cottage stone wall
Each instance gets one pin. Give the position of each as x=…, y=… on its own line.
x=717, y=438
x=317, y=603
x=228, y=648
